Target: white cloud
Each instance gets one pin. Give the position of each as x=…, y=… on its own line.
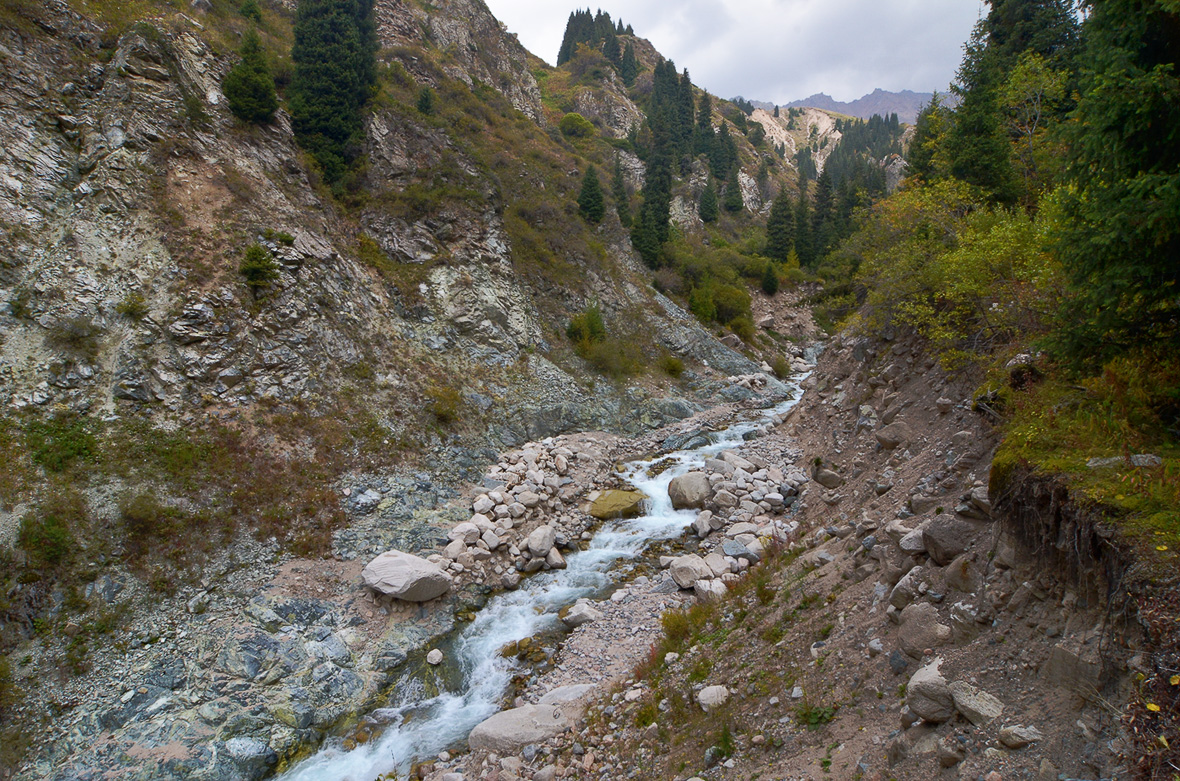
x=780, y=50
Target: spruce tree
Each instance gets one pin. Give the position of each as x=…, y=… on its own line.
x=708, y=208
x=780, y=228
x=251, y=10
x=822, y=215
x=733, y=192
x=590, y=200
x=769, y=279
x=629, y=68
x=703, y=136
x=426, y=101
x=611, y=50
x=335, y=56
x=1120, y=239
x=644, y=240
x=249, y=88
x=619, y=192
x=804, y=246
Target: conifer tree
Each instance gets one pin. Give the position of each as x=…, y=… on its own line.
x=611, y=50
x=804, y=246
x=769, y=279
x=685, y=114
x=619, y=192
x=251, y=10
x=249, y=88
x=822, y=215
x=708, y=208
x=590, y=200
x=1120, y=239
x=780, y=228
x=629, y=68
x=335, y=70
x=703, y=136
x=426, y=101
x=733, y=192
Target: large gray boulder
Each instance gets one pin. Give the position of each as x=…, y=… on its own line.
x=976, y=705
x=508, y=732
x=541, y=541
x=405, y=576
x=828, y=479
x=946, y=536
x=894, y=435
x=689, y=491
x=712, y=697
x=687, y=570
x=921, y=630
x=929, y=696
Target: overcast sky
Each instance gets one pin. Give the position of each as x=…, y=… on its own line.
x=779, y=50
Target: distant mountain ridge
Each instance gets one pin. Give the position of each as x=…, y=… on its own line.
x=906, y=103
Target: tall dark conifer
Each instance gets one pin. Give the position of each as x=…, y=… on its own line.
x=249, y=88
x=780, y=228
x=629, y=69
x=733, y=192
x=708, y=210
x=1120, y=241
x=335, y=70
x=590, y=200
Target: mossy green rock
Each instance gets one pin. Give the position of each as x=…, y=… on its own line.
x=617, y=504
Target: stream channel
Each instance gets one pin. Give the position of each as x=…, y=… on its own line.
x=420, y=726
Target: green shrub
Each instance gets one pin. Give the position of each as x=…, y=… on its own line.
x=258, y=267
x=443, y=404
x=77, y=335
x=743, y=326
x=672, y=366
x=250, y=10
x=47, y=532
x=146, y=519
x=133, y=306
x=814, y=716
x=731, y=302
x=587, y=327
x=574, y=125
x=781, y=367
x=613, y=357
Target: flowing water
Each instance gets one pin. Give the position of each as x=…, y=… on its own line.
x=420, y=725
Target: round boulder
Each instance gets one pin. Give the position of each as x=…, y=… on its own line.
x=405, y=576
x=689, y=491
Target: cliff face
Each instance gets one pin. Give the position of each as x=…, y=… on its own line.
x=482, y=50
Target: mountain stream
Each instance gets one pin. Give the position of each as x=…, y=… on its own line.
x=420, y=725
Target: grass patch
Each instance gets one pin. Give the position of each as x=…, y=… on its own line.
x=59, y=442
x=1055, y=425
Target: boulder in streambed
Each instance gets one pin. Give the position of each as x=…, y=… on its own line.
x=616, y=504
x=687, y=570
x=405, y=576
x=510, y=731
x=690, y=491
